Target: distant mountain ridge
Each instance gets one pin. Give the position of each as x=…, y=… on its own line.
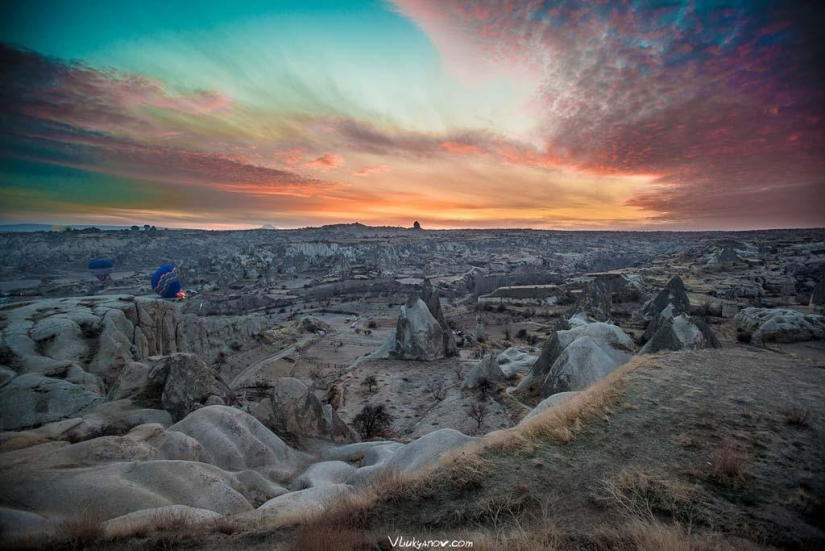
x=55, y=227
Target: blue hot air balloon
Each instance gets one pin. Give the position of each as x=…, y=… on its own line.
x=165, y=281
x=102, y=269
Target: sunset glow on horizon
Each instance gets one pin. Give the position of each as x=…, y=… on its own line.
x=456, y=113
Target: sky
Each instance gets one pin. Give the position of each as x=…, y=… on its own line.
x=569, y=114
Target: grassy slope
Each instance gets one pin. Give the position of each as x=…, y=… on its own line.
x=710, y=438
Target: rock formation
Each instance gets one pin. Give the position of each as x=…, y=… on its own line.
x=422, y=332
x=671, y=327
x=779, y=325
x=486, y=369
x=71, y=354
x=576, y=357
x=292, y=409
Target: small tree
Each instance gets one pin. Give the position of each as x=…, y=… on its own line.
x=371, y=421
x=370, y=382
x=522, y=334
x=507, y=331
x=477, y=412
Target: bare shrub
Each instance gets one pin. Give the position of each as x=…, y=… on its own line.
x=318, y=537
x=797, y=415
x=641, y=495
x=81, y=531
x=436, y=389
x=370, y=382
x=372, y=420
x=477, y=412
x=727, y=465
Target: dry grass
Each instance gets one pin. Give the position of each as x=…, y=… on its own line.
x=562, y=422
x=797, y=415
x=656, y=536
x=81, y=531
x=641, y=496
x=727, y=465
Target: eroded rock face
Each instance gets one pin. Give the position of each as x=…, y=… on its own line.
x=594, y=300
x=187, y=384
x=33, y=399
x=236, y=441
x=292, y=409
x=780, y=325
x=96, y=347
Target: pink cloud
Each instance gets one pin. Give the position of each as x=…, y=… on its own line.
x=291, y=156
x=325, y=162
x=461, y=148
x=378, y=169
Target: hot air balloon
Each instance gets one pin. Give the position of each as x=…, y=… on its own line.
x=102, y=269
x=165, y=281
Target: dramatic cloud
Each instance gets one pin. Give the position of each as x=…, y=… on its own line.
x=716, y=100
x=570, y=113
x=73, y=116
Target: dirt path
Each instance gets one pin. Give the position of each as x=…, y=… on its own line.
x=248, y=373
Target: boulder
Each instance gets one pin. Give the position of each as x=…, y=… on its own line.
x=427, y=450
x=486, y=368
x=582, y=363
x=549, y=402
x=680, y=333
x=429, y=294
x=595, y=300
x=117, y=488
x=673, y=296
x=17, y=524
x=325, y=472
x=515, y=360
x=295, y=506
x=604, y=347
x=132, y=380
x=780, y=325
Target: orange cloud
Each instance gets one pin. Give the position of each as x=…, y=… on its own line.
x=325, y=162
x=462, y=148
x=378, y=169
x=291, y=156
